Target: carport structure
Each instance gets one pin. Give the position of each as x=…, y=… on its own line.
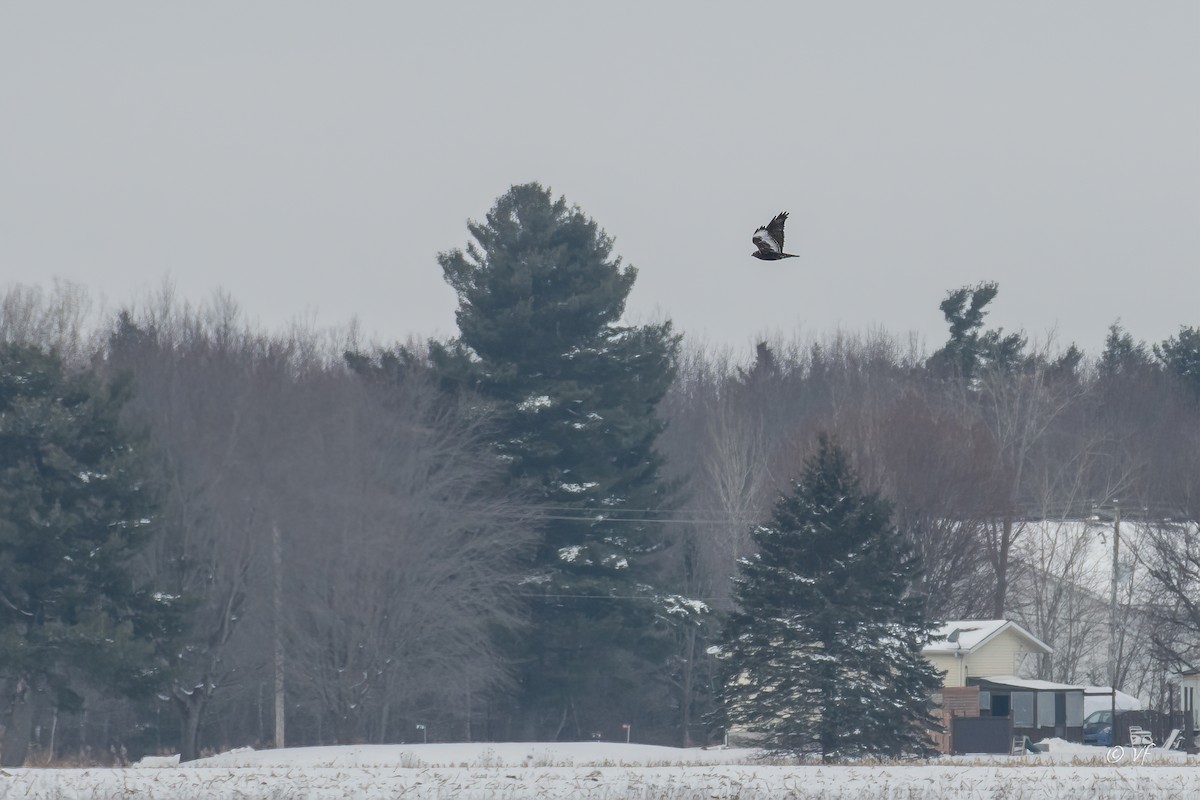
x=1037, y=709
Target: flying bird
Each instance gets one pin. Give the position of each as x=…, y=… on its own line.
x=769, y=240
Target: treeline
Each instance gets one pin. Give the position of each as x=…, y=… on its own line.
x=1007, y=464
x=527, y=532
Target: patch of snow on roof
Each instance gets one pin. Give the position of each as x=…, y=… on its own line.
x=1097, y=698
x=1029, y=683
x=963, y=635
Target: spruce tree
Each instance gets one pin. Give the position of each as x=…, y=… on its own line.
x=75, y=507
x=574, y=395
x=823, y=654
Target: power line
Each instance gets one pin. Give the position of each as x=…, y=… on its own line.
x=614, y=515
x=641, y=521
x=610, y=597
x=563, y=507
x=606, y=515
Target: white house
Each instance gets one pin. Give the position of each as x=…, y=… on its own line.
x=986, y=701
x=977, y=648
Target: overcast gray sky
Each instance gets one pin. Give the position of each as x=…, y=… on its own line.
x=315, y=157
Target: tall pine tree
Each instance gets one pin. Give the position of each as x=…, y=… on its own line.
x=574, y=392
x=970, y=350
x=823, y=655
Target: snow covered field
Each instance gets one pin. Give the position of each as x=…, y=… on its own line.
x=606, y=771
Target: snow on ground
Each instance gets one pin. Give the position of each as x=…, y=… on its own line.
x=607, y=771
x=493, y=754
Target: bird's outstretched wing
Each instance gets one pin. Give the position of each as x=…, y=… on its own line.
x=769, y=239
x=775, y=228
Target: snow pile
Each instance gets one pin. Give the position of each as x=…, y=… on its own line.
x=595, y=771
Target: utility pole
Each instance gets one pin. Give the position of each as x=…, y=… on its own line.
x=1112, y=622
x=277, y=620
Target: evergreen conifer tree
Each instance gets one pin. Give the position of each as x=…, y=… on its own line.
x=75, y=506
x=1122, y=356
x=1181, y=354
x=970, y=349
x=823, y=654
x=574, y=393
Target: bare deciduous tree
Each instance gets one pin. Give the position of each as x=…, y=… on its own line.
x=60, y=319
x=1017, y=408
x=402, y=559
x=194, y=375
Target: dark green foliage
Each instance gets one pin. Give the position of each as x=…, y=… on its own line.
x=1122, y=356
x=1181, y=355
x=1066, y=369
x=75, y=506
x=823, y=655
x=574, y=394
x=970, y=349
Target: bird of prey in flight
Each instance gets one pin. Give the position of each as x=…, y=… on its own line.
x=769, y=240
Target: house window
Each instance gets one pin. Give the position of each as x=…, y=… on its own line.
x=1023, y=709
x=1045, y=709
x=1074, y=709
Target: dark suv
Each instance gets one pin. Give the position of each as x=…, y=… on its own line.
x=1097, y=727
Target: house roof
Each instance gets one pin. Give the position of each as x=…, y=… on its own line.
x=1029, y=684
x=968, y=635
x=1098, y=698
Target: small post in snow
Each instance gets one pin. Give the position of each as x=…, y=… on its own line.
x=626, y=726
x=424, y=733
